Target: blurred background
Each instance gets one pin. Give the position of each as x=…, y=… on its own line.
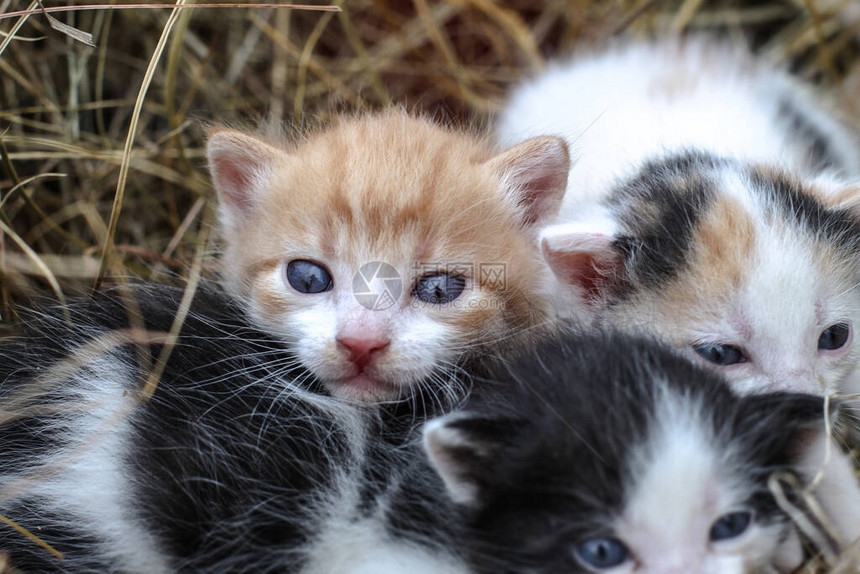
x=102, y=144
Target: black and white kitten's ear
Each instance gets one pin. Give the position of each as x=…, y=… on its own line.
x=534, y=175
x=463, y=449
x=241, y=166
x=584, y=254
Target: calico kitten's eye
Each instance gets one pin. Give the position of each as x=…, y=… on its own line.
x=308, y=277
x=439, y=289
x=602, y=553
x=834, y=337
x=731, y=525
x=720, y=354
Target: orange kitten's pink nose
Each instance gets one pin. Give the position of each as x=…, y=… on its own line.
x=362, y=350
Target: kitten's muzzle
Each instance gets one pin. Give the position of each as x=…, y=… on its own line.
x=363, y=350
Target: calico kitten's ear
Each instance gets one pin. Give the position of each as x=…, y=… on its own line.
x=463, y=449
x=584, y=254
x=534, y=175
x=241, y=166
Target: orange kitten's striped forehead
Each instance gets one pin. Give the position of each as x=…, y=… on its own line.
x=390, y=187
x=746, y=267
x=432, y=221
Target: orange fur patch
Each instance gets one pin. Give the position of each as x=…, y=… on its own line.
x=722, y=255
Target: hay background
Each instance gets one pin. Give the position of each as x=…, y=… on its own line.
x=65, y=108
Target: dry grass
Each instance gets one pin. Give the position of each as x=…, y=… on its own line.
x=102, y=162
x=102, y=146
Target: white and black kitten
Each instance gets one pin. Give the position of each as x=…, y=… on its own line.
x=238, y=462
x=589, y=454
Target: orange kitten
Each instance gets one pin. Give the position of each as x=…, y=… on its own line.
x=386, y=249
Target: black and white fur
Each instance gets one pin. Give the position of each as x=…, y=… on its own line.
x=610, y=437
x=238, y=463
x=712, y=203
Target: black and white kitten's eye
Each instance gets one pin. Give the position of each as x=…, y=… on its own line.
x=602, y=553
x=439, y=289
x=731, y=525
x=308, y=276
x=834, y=337
x=722, y=355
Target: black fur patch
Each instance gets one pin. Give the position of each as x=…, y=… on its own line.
x=658, y=210
x=60, y=529
x=836, y=226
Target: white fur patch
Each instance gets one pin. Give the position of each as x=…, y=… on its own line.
x=88, y=480
x=348, y=545
x=678, y=488
x=624, y=106
x=364, y=548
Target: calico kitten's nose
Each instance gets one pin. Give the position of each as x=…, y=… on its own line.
x=362, y=350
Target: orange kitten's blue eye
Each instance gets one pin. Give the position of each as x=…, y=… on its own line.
x=439, y=289
x=308, y=277
x=834, y=337
x=602, y=553
x=730, y=525
x=722, y=355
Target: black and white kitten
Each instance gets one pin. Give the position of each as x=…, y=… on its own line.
x=611, y=454
x=238, y=462
x=590, y=454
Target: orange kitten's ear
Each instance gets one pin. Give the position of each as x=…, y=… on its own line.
x=534, y=175
x=241, y=166
x=584, y=255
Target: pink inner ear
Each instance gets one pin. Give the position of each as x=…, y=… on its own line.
x=234, y=178
x=538, y=185
x=535, y=174
x=239, y=164
x=589, y=262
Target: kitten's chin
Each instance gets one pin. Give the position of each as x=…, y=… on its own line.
x=363, y=388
